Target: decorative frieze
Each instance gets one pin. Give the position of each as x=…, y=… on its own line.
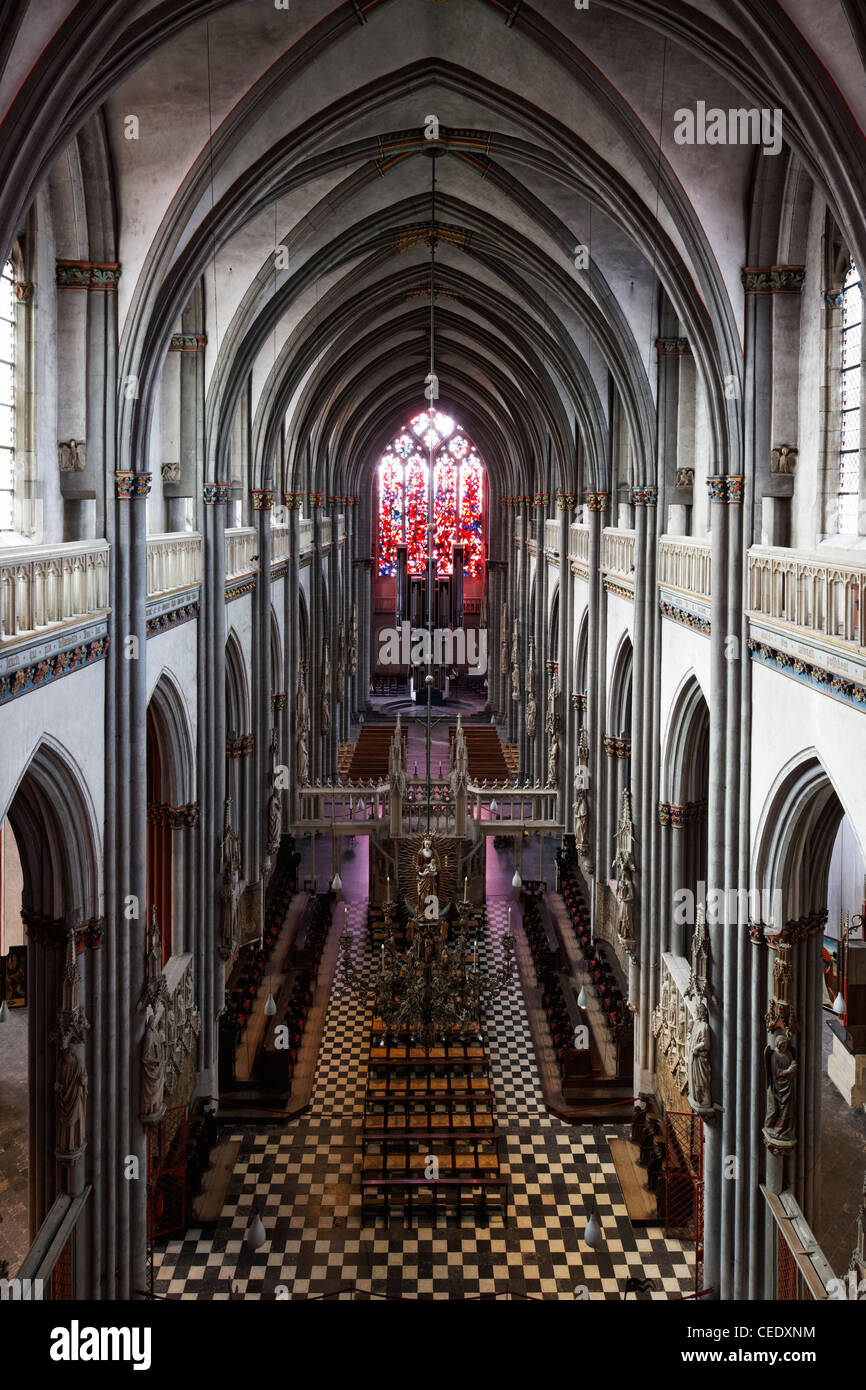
x=672, y=347
x=694, y=621
x=215, y=494
x=240, y=747
x=828, y=683
x=174, y=817
x=88, y=275
x=131, y=487
x=28, y=678
x=773, y=279
x=243, y=586
x=187, y=342
x=163, y=622
x=597, y=501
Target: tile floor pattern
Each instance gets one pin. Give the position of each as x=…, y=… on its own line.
x=305, y=1182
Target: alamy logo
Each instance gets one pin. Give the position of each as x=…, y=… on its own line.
x=77, y=1343
x=725, y=906
x=413, y=646
x=28, y=1289
x=736, y=126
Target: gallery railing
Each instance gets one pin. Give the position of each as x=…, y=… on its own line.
x=578, y=548
x=819, y=592
x=48, y=586
x=685, y=563
x=242, y=543
x=617, y=552
x=173, y=562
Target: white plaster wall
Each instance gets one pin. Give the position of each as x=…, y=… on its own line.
x=620, y=619
x=176, y=653
x=683, y=654
x=239, y=620
x=69, y=713
x=788, y=719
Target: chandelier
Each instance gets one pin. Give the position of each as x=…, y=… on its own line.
x=425, y=987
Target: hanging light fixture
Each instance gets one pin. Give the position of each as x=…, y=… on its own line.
x=839, y=1004
x=582, y=1000
x=517, y=881
x=4, y=1012
x=336, y=883
x=494, y=809
x=270, y=1006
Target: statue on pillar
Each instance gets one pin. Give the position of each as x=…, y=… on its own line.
x=353, y=641
x=503, y=642
x=325, y=699
x=427, y=877
x=515, y=661
x=698, y=1061
x=275, y=809
x=780, y=1067
x=397, y=779
x=623, y=868
x=531, y=712
x=153, y=1067
x=230, y=891
x=553, y=762
x=302, y=724
x=459, y=777
x=70, y=1083
x=581, y=787
x=551, y=720
x=341, y=663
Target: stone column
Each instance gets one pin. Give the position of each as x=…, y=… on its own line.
x=597, y=504
x=260, y=764
x=292, y=621
x=564, y=656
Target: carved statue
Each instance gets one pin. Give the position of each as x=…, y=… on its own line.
x=397, y=779
x=302, y=709
x=781, y=1072
x=71, y=456
x=553, y=762
x=685, y=477
x=70, y=1089
x=153, y=1067
x=353, y=641
x=229, y=867
x=325, y=701
x=515, y=661
x=427, y=872
x=698, y=1060
x=170, y=472
x=531, y=713
x=551, y=721
x=784, y=459
x=460, y=761
x=581, y=821
x=624, y=908
x=275, y=821
x=303, y=764
x=341, y=663
x=503, y=642
x=698, y=979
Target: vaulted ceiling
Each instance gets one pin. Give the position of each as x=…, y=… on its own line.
x=306, y=128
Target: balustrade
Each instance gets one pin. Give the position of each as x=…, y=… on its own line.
x=48, y=586
x=551, y=535
x=685, y=562
x=173, y=562
x=617, y=552
x=818, y=592
x=579, y=542
x=242, y=544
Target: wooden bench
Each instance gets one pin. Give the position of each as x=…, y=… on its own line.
x=414, y=1196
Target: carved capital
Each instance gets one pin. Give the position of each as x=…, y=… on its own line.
x=773, y=279
x=129, y=487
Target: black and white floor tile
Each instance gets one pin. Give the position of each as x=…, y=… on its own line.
x=305, y=1184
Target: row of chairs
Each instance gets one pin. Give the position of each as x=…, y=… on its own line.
x=429, y=1144
x=251, y=965
x=604, y=977
x=387, y=685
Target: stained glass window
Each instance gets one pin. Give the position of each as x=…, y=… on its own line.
x=458, y=496
x=847, y=496
x=7, y=396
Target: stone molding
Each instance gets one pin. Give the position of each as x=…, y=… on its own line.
x=773, y=279
x=87, y=275
x=187, y=342
x=28, y=678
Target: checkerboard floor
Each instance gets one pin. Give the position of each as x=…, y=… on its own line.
x=305, y=1183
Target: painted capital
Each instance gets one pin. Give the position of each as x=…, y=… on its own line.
x=726, y=488
x=187, y=342
x=773, y=279
x=128, y=487
x=598, y=501
x=645, y=496
x=87, y=275
x=317, y=499
x=23, y=290
x=293, y=501
x=215, y=494
x=263, y=499
x=565, y=501
x=672, y=347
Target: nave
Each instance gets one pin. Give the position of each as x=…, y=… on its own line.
x=305, y=1182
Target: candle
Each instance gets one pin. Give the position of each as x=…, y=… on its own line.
x=466, y=889
x=388, y=890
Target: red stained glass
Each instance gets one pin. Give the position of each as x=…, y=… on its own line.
x=444, y=512
x=471, y=504
x=390, y=512
x=416, y=516
x=458, y=499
